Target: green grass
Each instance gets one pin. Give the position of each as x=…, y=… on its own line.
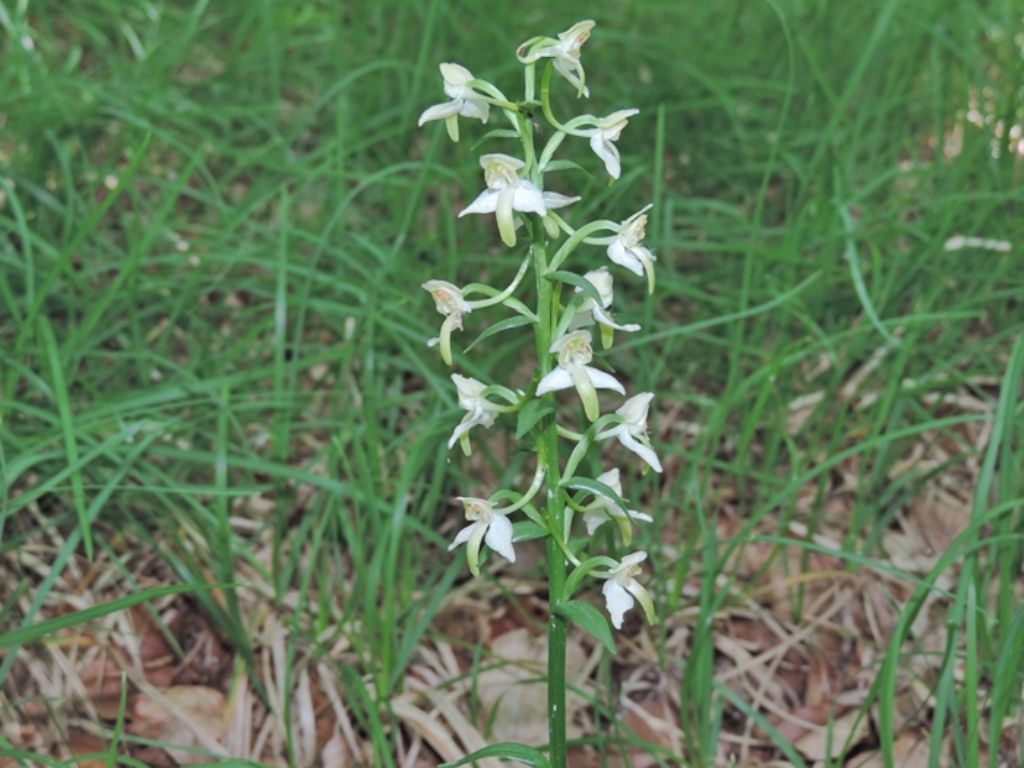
x=216, y=218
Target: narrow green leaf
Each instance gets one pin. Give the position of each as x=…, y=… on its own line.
x=500, y=327
x=595, y=487
x=67, y=424
x=577, y=281
x=528, y=530
x=530, y=414
x=507, y=751
x=32, y=633
x=566, y=165
x=591, y=620
x=499, y=133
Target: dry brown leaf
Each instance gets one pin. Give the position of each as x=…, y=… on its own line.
x=516, y=689
x=829, y=742
x=83, y=743
x=909, y=751
x=185, y=715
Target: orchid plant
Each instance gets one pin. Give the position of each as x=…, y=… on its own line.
x=568, y=307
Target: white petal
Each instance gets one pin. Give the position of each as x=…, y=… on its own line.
x=643, y=253
x=634, y=410
x=455, y=74
x=462, y=536
x=528, y=199
x=439, y=112
x=617, y=252
x=476, y=108
x=645, y=452
x=566, y=66
x=608, y=153
x=605, y=319
x=602, y=380
x=486, y=202
x=641, y=516
x=499, y=537
x=633, y=558
x=611, y=479
x=594, y=519
x=558, y=379
x=557, y=200
x=617, y=600
x=469, y=390
x=467, y=423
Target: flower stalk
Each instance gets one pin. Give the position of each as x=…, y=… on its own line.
x=567, y=305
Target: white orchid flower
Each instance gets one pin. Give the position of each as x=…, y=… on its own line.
x=632, y=432
x=506, y=192
x=604, y=135
x=620, y=589
x=626, y=248
x=590, y=312
x=479, y=410
x=565, y=51
x=449, y=302
x=465, y=101
x=574, y=353
x=487, y=525
x=602, y=509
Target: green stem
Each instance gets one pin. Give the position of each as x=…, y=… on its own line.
x=548, y=453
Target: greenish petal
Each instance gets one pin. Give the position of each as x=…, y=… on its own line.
x=473, y=549
x=585, y=388
x=503, y=212
x=452, y=124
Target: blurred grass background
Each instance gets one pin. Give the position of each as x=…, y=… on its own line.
x=215, y=220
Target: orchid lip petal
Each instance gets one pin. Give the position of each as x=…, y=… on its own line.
x=503, y=213
x=473, y=547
